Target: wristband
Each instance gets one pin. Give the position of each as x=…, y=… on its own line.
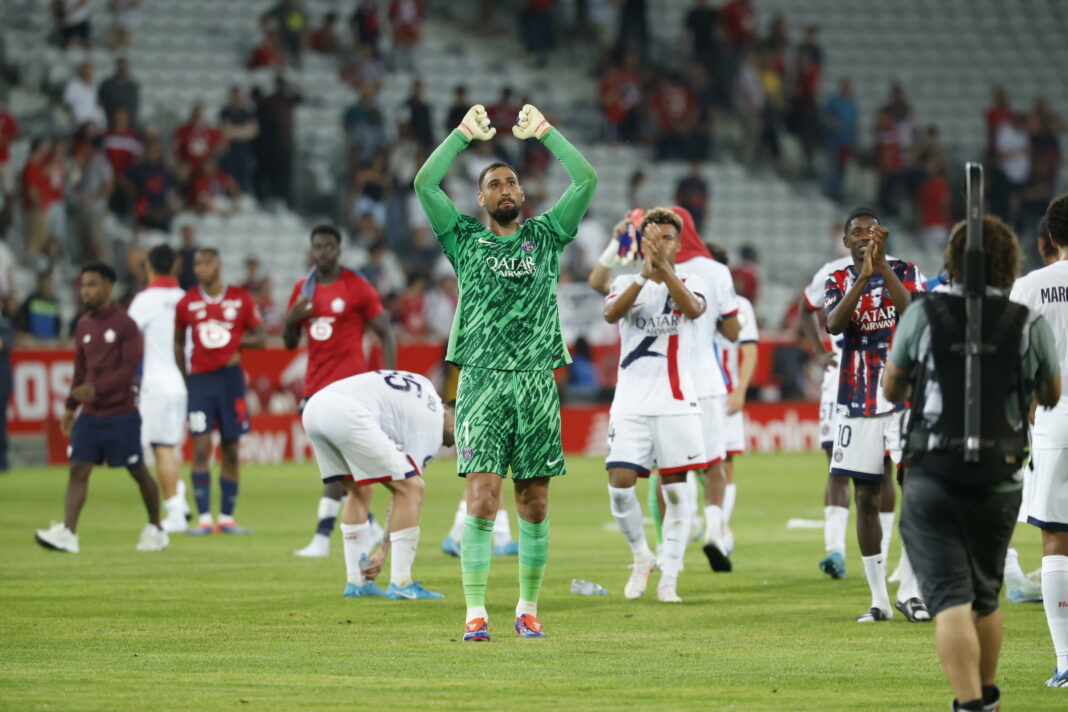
x=641, y=280
x=610, y=256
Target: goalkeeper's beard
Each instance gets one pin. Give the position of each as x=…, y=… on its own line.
x=504, y=216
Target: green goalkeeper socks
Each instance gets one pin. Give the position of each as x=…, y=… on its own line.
x=476, y=544
x=533, y=553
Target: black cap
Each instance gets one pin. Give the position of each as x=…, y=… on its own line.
x=862, y=211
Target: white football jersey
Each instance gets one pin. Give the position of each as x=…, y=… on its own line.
x=721, y=302
x=1045, y=291
x=656, y=350
x=152, y=309
x=406, y=406
x=729, y=351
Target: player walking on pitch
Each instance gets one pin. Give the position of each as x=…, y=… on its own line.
x=108, y=350
x=382, y=426
x=506, y=339
x=864, y=302
x=655, y=415
x=332, y=304
x=223, y=319
x=162, y=400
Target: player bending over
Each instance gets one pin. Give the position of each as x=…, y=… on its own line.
x=223, y=319
x=108, y=349
x=506, y=339
x=382, y=426
x=655, y=415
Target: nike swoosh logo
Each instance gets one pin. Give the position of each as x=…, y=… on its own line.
x=553, y=463
x=690, y=457
x=484, y=241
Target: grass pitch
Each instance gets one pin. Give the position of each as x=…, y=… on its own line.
x=229, y=623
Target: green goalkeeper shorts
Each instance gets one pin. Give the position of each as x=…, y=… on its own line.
x=508, y=419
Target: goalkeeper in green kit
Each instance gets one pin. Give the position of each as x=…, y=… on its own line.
x=506, y=340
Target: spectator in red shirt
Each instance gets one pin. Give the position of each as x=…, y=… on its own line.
x=409, y=311
x=366, y=24
x=9, y=131
x=889, y=161
x=692, y=194
x=36, y=196
x=324, y=39
x=211, y=190
x=503, y=113
x=746, y=277
x=804, y=118
x=406, y=16
x=674, y=114
x=194, y=142
x=154, y=186
x=621, y=95
x=123, y=148
x=268, y=53
x=740, y=24
x=999, y=112
x=933, y=205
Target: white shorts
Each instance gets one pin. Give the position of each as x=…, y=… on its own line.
x=673, y=443
x=1027, y=476
x=162, y=419
x=860, y=445
x=350, y=444
x=735, y=433
x=713, y=425
x=1047, y=501
x=828, y=406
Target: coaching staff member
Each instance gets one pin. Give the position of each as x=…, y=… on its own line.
x=961, y=515
x=108, y=350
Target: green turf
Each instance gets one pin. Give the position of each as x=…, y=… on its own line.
x=238, y=623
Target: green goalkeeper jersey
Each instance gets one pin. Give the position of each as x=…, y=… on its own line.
x=507, y=317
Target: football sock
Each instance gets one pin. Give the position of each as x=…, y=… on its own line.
x=730, y=493
x=524, y=608
x=875, y=568
x=654, y=509
x=1055, y=600
x=835, y=524
x=533, y=553
x=179, y=494
x=403, y=544
x=457, y=530
x=357, y=538
x=502, y=528
x=1012, y=565
x=229, y=497
x=475, y=548
x=695, y=493
x=970, y=705
x=628, y=514
x=202, y=491
x=327, y=515
x=474, y=612
x=713, y=523
x=910, y=587
x=677, y=523
x=886, y=519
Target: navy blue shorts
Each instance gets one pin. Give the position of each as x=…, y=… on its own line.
x=114, y=438
x=217, y=399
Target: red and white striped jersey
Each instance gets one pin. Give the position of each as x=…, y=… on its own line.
x=655, y=375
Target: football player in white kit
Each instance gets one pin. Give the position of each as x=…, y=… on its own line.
x=655, y=415
x=738, y=360
x=162, y=398
x=380, y=426
x=720, y=318
x=1046, y=292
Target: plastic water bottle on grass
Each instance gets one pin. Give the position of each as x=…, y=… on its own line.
x=365, y=562
x=587, y=588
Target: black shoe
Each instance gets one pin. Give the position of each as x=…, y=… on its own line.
x=717, y=559
x=915, y=611
x=874, y=615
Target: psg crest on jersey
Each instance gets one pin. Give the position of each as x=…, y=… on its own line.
x=528, y=246
x=468, y=453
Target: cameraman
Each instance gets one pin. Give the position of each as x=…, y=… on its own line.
x=961, y=515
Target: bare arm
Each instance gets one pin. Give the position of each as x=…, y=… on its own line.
x=810, y=334
x=255, y=338
x=179, y=349
x=729, y=327
x=747, y=361
x=839, y=317
x=691, y=305
x=380, y=325
x=1048, y=393
x=294, y=320
x=896, y=385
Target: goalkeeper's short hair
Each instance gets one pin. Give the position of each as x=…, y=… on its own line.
x=662, y=216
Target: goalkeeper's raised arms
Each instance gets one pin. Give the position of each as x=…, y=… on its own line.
x=476, y=124
x=530, y=123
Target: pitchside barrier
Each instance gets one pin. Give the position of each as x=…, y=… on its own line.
x=274, y=376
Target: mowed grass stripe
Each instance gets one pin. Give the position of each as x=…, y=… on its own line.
x=238, y=622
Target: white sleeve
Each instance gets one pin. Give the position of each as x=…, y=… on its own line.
x=748, y=332
x=814, y=292
x=725, y=295
x=1018, y=293
x=697, y=286
x=139, y=312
